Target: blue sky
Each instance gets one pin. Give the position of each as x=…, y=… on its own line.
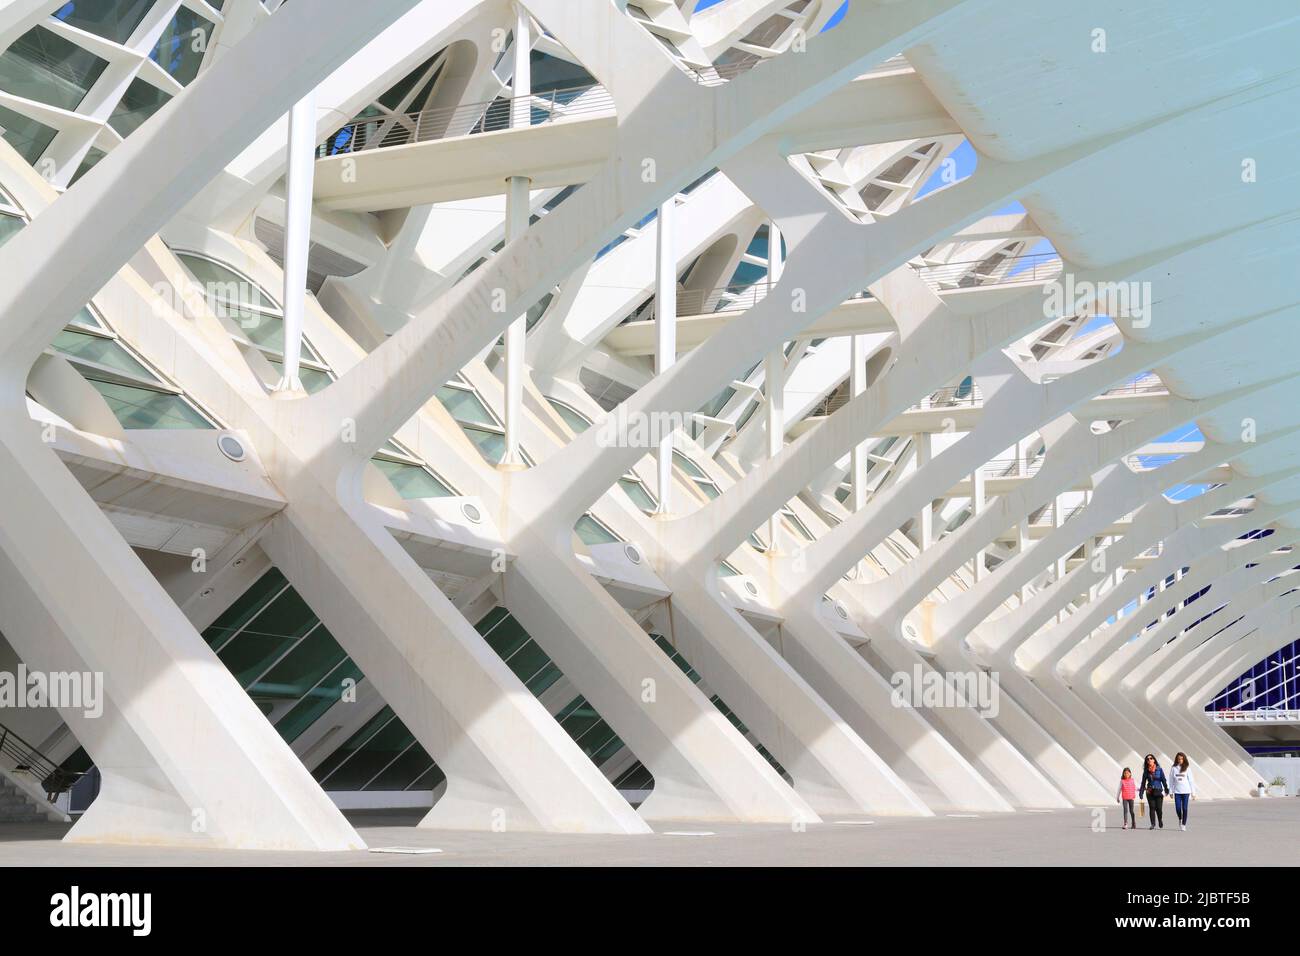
x=839, y=14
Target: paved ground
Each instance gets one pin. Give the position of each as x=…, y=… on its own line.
x=1232, y=833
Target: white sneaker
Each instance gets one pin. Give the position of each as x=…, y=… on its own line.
x=1182, y=826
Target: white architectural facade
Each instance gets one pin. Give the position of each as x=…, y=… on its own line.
x=580, y=415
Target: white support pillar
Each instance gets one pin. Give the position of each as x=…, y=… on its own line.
x=300, y=172
x=665, y=336
x=858, y=385
x=774, y=374
x=925, y=531
x=518, y=209
x=977, y=503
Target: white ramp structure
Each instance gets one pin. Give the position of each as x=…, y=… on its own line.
x=582, y=415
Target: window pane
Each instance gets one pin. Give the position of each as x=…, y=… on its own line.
x=145, y=408
x=101, y=351
x=40, y=65
x=25, y=135
x=577, y=423
x=225, y=284
x=113, y=19
x=141, y=101
x=490, y=445
x=636, y=491
x=465, y=406
x=181, y=47
x=301, y=669
x=93, y=156
x=9, y=227
x=591, y=531
x=317, y=701
x=412, y=481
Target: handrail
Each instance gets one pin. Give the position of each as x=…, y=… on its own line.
x=734, y=298
x=489, y=116
x=27, y=759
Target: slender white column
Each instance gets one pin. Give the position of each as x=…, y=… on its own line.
x=517, y=213
x=774, y=374
x=858, y=385
x=665, y=336
x=977, y=504
x=300, y=172
x=925, y=533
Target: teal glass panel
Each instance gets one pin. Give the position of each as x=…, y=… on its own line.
x=379, y=750
x=491, y=446
x=246, y=607
x=413, y=763
x=91, y=160
x=577, y=423
x=140, y=408
x=284, y=621
x=636, y=491
x=10, y=226
x=139, y=103
x=223, y=283
x=301, y=669
x=182, y=45
x=114, y=20
x=29, y=137
x=465, y=406
x=354, y=743
x=412, y=481
x=42, y=66
x=590, y=531
x=100, y=351
x=318, y=700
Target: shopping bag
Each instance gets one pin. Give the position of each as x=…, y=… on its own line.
x=1142, y=808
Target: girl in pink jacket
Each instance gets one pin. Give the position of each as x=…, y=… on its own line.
x=1126, y=795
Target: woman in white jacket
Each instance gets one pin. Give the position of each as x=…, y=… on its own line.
x=1183, y=787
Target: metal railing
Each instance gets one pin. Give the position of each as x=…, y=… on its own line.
x=1264, y=715
x=1035, y=267
x=27, y=759
x=502, y=113
x=958, y=396
x=738, y=297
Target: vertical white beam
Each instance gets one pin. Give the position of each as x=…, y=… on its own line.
x=517, y=213
x=925, y=533
x=665, y=335
x=858, y=385
x=774, y=375
x=977, y=502
x=301, y=168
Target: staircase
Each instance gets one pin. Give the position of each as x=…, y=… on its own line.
x=18, y=804
x=17, y=807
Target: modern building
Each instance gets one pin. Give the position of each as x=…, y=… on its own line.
x=583, y=415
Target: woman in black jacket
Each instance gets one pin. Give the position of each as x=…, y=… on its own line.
x=1155, y=786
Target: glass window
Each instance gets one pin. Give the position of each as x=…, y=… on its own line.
x=183, y=43
x=101, y=351
x=93, y=156
x=577, y=422
x=29, y=137
x=9, y=227
x=465, y=406
x=590, y=531
x=115, y=20
x=412, y=481
x=141, y=101
x=41, y=65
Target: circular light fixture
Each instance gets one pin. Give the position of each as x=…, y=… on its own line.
x=910, y=630
x=752, y=588
x=206, y=592
x=632, y=553
x=471, y=512
x=232, y=447
x=841, y=610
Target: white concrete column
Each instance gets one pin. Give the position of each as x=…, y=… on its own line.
x=665, y=336
x=774, y=386
x=858, y=385
x=925, y=533
x=977, y=504
x=774, y=374
x=517, y=213
x=299, y=176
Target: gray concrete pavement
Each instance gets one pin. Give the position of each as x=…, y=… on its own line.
x=1224, y=833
